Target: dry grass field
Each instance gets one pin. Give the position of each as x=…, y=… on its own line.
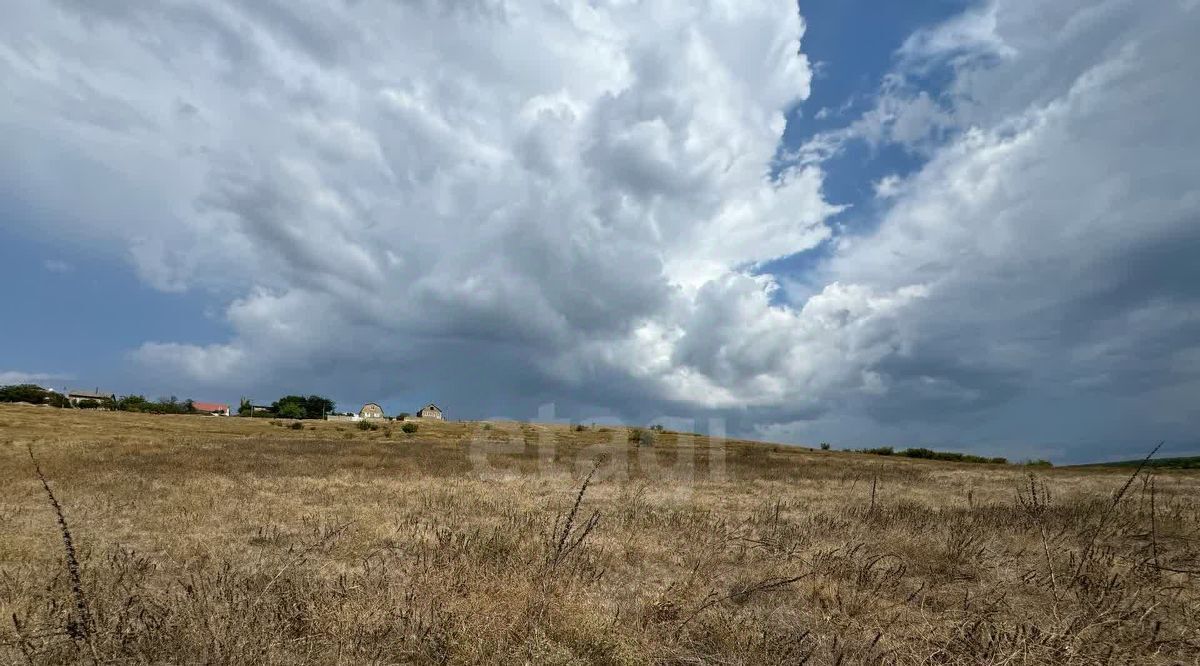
x=233, y=541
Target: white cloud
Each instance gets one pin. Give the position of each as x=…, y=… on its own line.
x=8, y=377
x=370, y=182
x=57, y=266
x=1056, y=242
x=889, y=186
x=968, y=36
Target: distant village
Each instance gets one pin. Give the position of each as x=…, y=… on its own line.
x=290, y=407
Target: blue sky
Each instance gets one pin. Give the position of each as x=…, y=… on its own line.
x=510, y=204
x=78, y=312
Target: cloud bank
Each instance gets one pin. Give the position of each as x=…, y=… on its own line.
x=500, y=203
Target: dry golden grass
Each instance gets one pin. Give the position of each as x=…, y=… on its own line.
x=204, y=540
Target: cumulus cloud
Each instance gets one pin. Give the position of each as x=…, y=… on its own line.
x=578, y=202
x=370, y=183
x=1055, y=234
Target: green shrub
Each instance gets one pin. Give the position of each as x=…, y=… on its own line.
x=367, y=425
x=409, y=428
x=290, y=410
x=950, y=456
x=825, y=446
x=879, y=451
x=641, y=437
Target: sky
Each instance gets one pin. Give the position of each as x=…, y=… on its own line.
x=960, y=224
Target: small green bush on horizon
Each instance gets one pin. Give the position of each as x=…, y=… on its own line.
x=922, y=453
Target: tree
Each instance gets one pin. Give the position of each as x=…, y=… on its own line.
x=290, y=410
x=133, y=403
x=308, y=407
x=245, y=408
x=30, y=393
x=316, y=407
x=279, y=405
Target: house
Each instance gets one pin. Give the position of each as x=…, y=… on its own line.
x=77, y=396
x=214, y=408
x=430, y=411
x=370, y=411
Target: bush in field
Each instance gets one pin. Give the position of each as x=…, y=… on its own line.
x=296, y=425
x=641, y=437
x=879, y=451
x=825, y=446
x=409, y=428
x=367, y=425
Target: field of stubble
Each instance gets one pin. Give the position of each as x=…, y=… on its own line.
x=233, y=541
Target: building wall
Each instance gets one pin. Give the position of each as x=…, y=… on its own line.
x=76, y=399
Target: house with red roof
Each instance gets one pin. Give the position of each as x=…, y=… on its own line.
x=214, y=408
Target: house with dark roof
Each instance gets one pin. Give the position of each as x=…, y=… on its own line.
x=430, y=411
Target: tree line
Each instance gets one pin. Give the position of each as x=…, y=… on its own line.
x=289, y=406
